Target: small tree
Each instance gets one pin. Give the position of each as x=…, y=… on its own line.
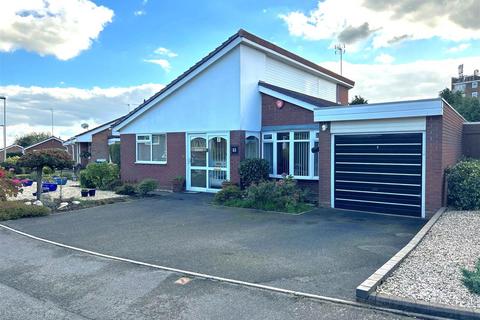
x=359, y=100
x=8, y=188
x=38, y=159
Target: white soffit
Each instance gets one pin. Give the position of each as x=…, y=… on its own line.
x=401, y=109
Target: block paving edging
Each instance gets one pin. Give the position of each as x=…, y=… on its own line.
x=366, y=292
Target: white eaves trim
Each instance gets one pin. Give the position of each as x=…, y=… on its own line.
x=180, y=83
x=400, y=109
x=87, y=136
x=38, y=143
x=286, y=98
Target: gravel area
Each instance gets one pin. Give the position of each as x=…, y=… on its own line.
x=70, y=190
x=432, y=272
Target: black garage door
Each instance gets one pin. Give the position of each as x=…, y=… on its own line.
x=379, y=173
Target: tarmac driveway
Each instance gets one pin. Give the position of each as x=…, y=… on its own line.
x=327, y=252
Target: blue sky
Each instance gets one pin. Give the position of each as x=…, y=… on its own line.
x=120, y=52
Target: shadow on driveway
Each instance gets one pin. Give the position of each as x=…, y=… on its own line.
x=326, y=251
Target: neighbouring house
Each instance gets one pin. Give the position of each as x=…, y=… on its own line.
x=93, y=145
x=469, y=85
x=14, y=149
x=50, y=143
x=250, y=98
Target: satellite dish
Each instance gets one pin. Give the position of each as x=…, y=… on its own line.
x=84, y=125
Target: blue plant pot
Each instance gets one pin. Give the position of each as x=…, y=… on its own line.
x=50, y=186
x=60, y=180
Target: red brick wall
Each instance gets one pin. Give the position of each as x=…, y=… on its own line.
x=84, y=147
x=288, y=115
x=237, y=138
x=99, y=145
x=50, y=144
x=434, y=167
x=13, y=149
x=164, y=173
x=342, y=94
x=324, y=169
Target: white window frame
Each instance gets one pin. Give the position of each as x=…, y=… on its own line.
x=256, y=135
x=474, y=94
x=474, y=84
x=312, y=139
x=151, y=148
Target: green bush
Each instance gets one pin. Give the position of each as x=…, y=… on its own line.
x=15, y=210
x=99, y=175
x=283, y=195
x=146, y=186
x=464, y=185
x=471, y=279
x=47, y=171
x=126, y=189
x=228, y=194
x=114, y=150
x=253, y=171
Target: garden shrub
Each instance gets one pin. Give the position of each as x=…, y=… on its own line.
x=8, y=188
x=146, y=186
x=471, y=279
x=464, y=185
x=114, y=151
x=228, y=194
x=253, y=171
x=47, y=171
x=127, y=189
x=99, y=175
x=15, y=210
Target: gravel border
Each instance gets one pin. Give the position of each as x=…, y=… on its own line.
x=431, y=272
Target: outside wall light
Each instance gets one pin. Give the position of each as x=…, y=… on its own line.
x=324, y=127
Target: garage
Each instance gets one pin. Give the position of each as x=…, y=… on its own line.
x=378, y=173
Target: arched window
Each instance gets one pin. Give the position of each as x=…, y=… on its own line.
x=252, y=147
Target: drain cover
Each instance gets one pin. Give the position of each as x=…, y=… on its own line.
x=183, y=281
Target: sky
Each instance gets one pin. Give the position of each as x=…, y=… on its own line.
x=91, y=61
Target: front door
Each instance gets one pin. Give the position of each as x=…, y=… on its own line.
x=208, y=161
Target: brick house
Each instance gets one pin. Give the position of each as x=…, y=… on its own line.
x=93, y=145
x=252, y=99
x=13, y=149
x=50, y=143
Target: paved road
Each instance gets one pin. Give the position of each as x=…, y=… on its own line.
x=43, y=281
x=326, y=252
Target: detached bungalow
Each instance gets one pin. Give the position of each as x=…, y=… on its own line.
x=13, y=149
x=93, y=145
x=250, y=98
x=50, y=143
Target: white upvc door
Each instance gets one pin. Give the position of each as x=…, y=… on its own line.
x=208, y=161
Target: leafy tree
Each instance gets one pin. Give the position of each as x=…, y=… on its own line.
x=468, y=107
x=38, y=159
x=359, y=100
x=31, y=138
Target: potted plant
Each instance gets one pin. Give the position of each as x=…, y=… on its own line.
x=178, y=184
x=91, y=192
x=84, y=193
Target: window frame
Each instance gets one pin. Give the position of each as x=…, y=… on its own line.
x=150, y=139
x=273, y=140
x=259, y=140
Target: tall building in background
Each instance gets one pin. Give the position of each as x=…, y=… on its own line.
x=468, y=85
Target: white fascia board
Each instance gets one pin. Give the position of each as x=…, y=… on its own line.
x=286, y=98
x=296, y=63
x=180, y=83
x=69, y=142
x=402, y=109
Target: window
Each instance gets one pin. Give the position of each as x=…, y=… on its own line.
x=252, y=147
x=475, y=94
x=152, y=148
x=474, y=84
x=290, y=153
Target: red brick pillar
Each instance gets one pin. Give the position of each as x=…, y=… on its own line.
x=237, y=138
x=324, y=164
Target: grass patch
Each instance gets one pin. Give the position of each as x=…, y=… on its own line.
x=471, y=279
x=16, y=209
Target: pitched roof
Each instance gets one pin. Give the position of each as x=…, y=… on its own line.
x=111, y=122
x=12, y=146
x=48, y=139
x=314, y=101
x=253, y=38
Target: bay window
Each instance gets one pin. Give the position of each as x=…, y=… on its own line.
x=151, y=148
x=289, y=153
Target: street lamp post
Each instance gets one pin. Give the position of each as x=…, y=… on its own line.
x=4, y=128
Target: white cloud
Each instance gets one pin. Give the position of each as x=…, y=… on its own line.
x=28, y=108
x=139, y=13
x=62, y=28
x=386, y=22
x=461, y=47
x=161, y=62
x=165, y=52
x=402, y=81
x=384, y=58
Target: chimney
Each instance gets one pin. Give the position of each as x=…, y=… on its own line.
x=476, y=73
